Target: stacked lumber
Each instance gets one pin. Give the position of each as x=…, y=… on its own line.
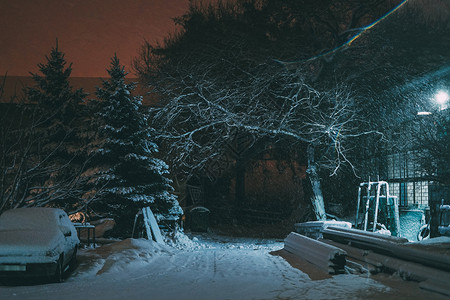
x=387, y=245
x=313, y=229
x=326, y=257
x=390, y=238
x=371, y=252
x=358, y=260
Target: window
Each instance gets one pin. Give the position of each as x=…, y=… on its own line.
x=406, y=179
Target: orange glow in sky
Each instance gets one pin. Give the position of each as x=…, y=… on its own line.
x=89, y=32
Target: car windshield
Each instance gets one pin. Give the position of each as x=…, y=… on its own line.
x=36, y=219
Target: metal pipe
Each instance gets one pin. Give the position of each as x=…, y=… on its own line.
x=377, y=202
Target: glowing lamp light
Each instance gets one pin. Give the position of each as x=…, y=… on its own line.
x=441, y=98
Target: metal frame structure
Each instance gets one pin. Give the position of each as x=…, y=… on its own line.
x=379, y=186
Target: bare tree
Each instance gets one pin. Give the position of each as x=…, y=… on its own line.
x=27, y=178
x=41, y=162
x=246, y=67
x=202, y=115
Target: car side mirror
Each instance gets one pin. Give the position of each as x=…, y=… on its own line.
x=66, y=231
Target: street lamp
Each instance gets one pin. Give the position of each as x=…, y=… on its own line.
x=441, y=99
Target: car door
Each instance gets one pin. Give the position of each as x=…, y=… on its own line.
x=66, y=228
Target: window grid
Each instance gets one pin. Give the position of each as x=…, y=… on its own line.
x=405, y=171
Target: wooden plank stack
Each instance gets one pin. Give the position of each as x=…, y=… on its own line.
x=387, y=245
x=377, y=253
x=326, y=257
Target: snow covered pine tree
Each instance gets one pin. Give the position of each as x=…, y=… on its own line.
x=128, y=174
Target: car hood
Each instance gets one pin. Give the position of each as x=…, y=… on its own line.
x=29, y=242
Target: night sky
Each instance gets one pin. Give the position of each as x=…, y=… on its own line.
x=89, y=31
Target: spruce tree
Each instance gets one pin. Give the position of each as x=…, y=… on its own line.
x=128, y=173
x=57, y=103
x=56, y=133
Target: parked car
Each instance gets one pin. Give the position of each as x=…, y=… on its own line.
x=37, y=242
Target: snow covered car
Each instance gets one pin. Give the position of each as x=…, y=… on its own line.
x=37, y=242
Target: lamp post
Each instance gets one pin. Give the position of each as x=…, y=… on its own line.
x=437, y=193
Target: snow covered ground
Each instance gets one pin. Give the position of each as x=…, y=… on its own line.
x=206, y=268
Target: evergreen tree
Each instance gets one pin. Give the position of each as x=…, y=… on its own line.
x=128, y=174
x=57, y=104
x=56, y=133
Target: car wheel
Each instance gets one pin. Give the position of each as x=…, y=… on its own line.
x=58, y=277
x=73, y=260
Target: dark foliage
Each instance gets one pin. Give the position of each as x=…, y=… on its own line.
x=44, y=157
